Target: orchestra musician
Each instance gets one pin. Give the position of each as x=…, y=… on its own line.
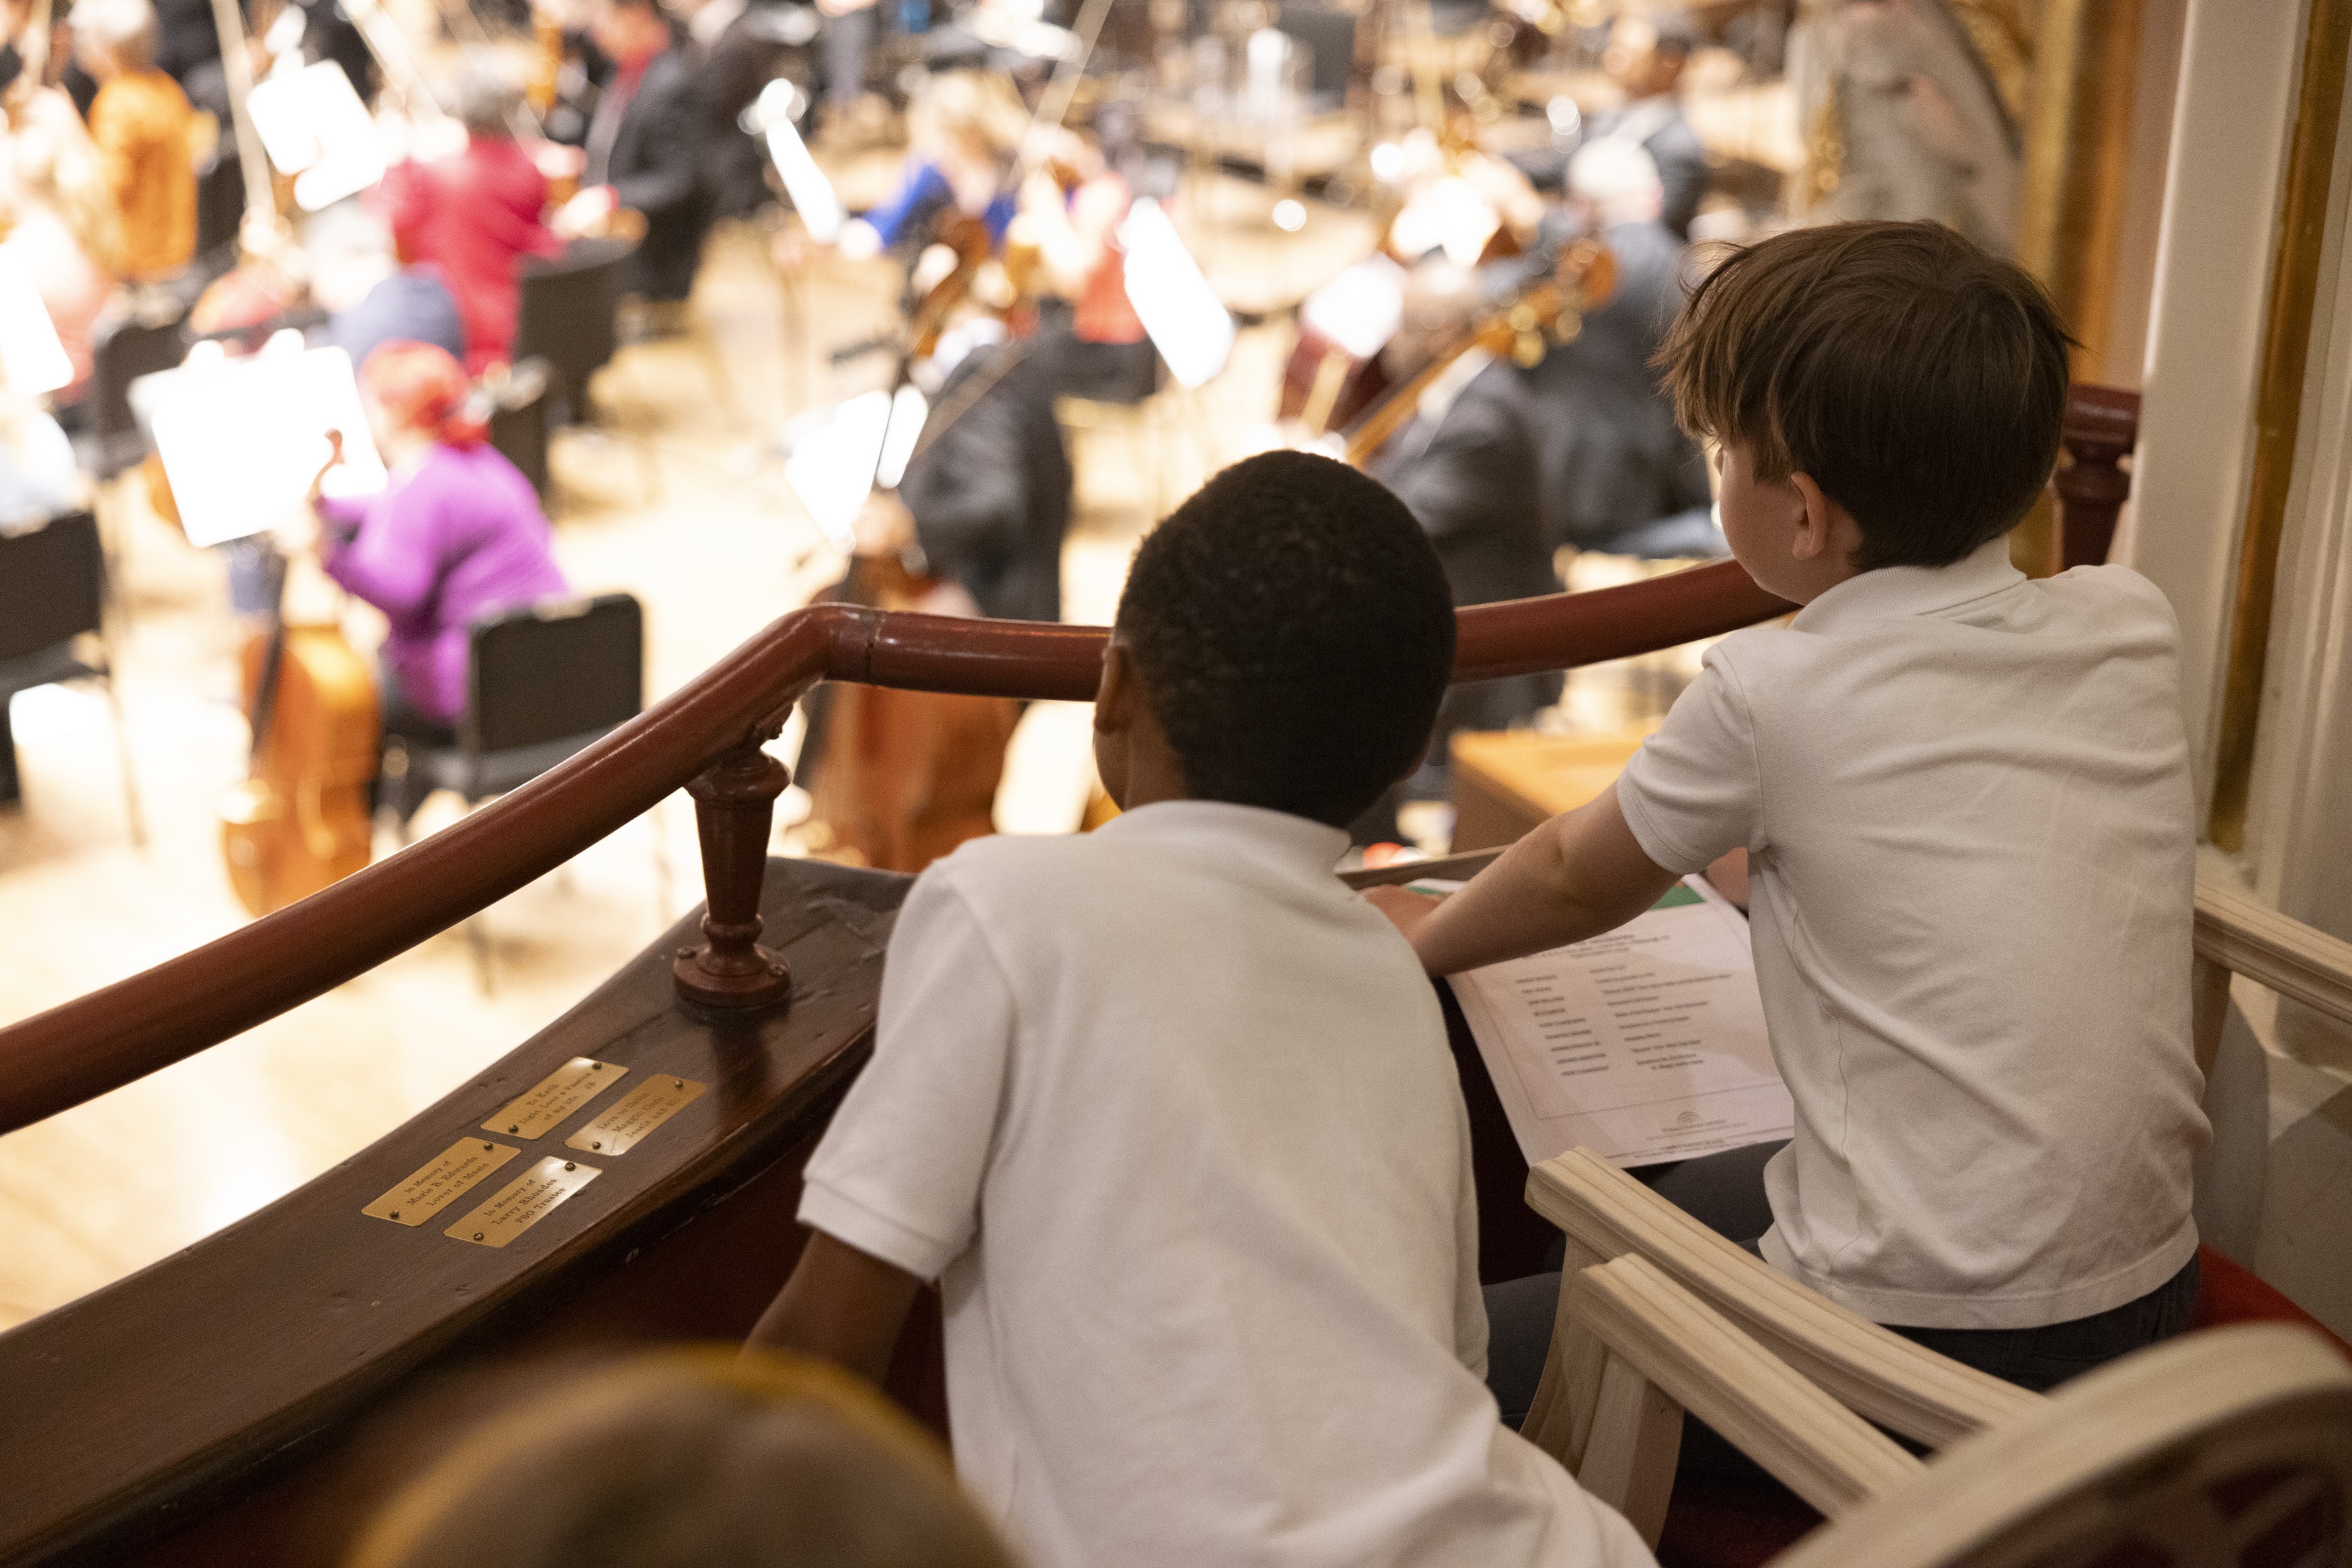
x=1090, y=341
x=458, y=534
x=1619, y=475
x=963, y=131
x=1646, y=56
x=143, y=128
x=372, y=293
x=476, y=215
x=1469, y=469
x=645, y=150
x=64, y=233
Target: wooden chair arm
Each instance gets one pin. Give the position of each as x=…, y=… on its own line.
x=1695, y=1357
x=2196, y=1451
x=1875, y=1373
x=2245, y=938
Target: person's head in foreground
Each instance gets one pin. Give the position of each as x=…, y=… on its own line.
x=1883, y=394
x=416, y=395
x=689, y=1457
x=1283, y=641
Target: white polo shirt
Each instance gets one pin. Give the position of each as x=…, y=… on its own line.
x=1967, y=803
x=1169, y=1113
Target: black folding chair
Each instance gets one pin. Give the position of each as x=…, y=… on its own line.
x=112, y=442
x=518, y=421
x=546, y=680
x=567, y=316
x=52, y=594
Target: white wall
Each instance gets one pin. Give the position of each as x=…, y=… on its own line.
x=2230, y=123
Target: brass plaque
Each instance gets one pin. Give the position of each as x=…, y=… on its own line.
x=535, y=1112
x=621, y=1127
x=453, y=1173
x=523, y=1202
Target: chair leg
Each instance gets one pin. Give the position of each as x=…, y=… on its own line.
x=663, y=890
x=478, y=942
x=106, y=505
x=122, y=754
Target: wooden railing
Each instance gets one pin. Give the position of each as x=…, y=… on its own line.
x=707, y=738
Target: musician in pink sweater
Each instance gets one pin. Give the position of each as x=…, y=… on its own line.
x=456, y=535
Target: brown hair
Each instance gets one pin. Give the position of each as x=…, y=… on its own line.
x=688, y=1456
x=1917, y=379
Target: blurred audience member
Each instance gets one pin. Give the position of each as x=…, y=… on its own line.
x=684, y=1458
x=143, y=128
x=645, y=148
x=474, y=216
x=64, y=231
x=1646, y=56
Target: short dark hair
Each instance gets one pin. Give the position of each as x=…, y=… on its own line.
x=1918, y=380
x=1292, y=632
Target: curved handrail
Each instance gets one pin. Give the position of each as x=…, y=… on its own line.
x=113, y=1036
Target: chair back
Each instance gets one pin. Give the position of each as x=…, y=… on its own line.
x=52, y=584
x=518, y=420
x=2230, y=1448
x=555, y=671
x=566, y=314
x=132, y=349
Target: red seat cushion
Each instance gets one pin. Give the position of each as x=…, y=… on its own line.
x=2228, y=1292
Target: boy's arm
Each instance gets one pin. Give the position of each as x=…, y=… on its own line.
x=1579, y=874
x=840, y=1305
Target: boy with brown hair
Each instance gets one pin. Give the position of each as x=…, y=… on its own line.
x=1966, y=803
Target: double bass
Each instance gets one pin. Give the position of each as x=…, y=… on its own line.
x=300, y=819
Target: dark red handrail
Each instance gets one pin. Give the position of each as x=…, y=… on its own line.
x=114, y=1036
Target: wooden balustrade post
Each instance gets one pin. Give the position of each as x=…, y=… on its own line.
x=2101, y=426
x=734, y=804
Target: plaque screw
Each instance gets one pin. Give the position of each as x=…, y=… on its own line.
x=569, y=1166
x=595, y=1067
x=478, y=1236
x=486, y=1148
x=677, y=1082
x=515, y=1129
x=395, y=1214
x=593, y=1145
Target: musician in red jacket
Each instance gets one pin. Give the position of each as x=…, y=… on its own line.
x=476, y=215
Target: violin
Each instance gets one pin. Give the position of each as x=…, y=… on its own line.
x=1548, y=311
x=300, y=819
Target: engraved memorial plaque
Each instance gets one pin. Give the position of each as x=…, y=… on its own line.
x=621, y=1127
x=537, y=1110
x=434, y=1188
x=523, y=1202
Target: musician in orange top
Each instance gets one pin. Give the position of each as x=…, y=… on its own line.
x=142, y=127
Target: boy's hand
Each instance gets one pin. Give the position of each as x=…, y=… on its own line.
x=1405, y=910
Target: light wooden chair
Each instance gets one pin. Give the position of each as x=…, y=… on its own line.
x=1649, y=1293
x=2230, y=1448
x=1876, y=1374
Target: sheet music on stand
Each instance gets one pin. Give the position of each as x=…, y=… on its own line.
x=241, y=438
x=1646, y=1044
x=314, y=127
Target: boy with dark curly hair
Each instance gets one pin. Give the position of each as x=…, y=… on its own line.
x=1168, y=1110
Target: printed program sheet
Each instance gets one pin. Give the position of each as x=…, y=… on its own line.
x=1644, y=1045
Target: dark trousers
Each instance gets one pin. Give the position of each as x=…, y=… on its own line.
x=1725, y=1193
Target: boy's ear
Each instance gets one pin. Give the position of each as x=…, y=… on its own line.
x=1816, y=523
x=1114, y=692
